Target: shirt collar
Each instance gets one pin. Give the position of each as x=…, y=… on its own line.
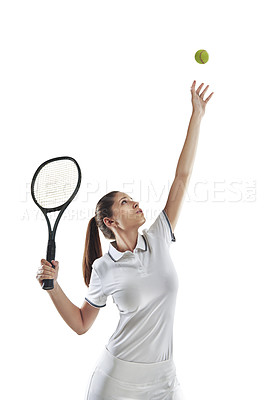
x=116, y=254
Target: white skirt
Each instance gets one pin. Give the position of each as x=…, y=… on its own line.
x=116, y=379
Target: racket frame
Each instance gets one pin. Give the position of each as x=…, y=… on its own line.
x=48, y=284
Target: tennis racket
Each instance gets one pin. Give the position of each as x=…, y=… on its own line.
x=54, y=185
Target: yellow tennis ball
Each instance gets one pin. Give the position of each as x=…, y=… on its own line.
x=201, y=56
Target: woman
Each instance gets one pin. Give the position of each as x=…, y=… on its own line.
x=137, y=271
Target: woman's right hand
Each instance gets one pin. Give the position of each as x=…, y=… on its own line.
x=46, y=271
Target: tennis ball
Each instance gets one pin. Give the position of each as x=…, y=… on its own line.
x=201, y=56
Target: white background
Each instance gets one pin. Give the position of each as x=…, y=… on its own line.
x=108, y=83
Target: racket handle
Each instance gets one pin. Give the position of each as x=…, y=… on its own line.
x=48, y=284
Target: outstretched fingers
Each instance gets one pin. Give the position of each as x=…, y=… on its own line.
x=209, y=97
x=199, y=88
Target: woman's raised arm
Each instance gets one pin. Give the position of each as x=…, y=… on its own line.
x=187, y=156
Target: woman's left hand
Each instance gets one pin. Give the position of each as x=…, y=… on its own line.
x=198, y=102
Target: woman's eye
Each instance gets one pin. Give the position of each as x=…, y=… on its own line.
x=123, y=201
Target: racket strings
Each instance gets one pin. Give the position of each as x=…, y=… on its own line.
x=55, y=183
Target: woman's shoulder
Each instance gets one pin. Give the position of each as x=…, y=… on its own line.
x=101, y=264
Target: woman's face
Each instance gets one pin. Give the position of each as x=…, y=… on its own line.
x=126, y=213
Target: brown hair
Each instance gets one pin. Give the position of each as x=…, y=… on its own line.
x=93, y=249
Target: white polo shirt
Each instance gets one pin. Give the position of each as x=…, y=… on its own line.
x=143, y=285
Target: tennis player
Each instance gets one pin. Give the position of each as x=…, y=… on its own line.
x=138, y=272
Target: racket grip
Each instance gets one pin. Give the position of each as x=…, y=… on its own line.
x=48, y=284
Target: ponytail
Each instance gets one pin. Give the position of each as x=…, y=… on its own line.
x=92, y=250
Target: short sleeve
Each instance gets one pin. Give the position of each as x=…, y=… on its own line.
x=95, y=295
x=162, y=227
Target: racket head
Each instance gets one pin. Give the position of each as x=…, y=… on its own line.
x=56, y=183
